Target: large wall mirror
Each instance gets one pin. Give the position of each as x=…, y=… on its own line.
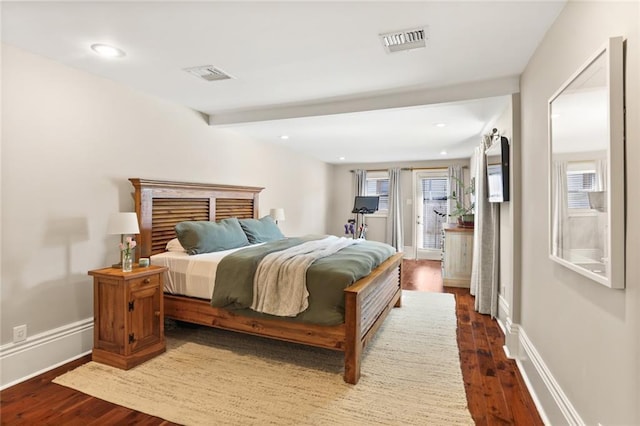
x=586, y=169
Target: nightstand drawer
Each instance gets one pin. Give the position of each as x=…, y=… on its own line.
x=150, y=280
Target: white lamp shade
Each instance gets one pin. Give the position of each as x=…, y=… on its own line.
x=277, y=214
x=123, y=223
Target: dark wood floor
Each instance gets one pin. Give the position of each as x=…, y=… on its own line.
x=496, y=392
x=422, y=275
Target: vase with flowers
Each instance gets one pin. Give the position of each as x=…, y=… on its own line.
x=126, y=248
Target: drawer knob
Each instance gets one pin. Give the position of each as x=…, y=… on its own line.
x=147, y=280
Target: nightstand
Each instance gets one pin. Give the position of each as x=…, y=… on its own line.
x=128, y=326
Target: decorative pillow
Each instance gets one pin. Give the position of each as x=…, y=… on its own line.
x=261, y=230
x=174, y=245
x=205, y=237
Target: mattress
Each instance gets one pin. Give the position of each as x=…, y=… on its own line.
x=193, y=276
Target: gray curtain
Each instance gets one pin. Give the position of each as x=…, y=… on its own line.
x=394, y=218
x=559, y=207
x=360, y=188
x=485, y=271
x=360, y=181
x=455, y=185
x=601, y=175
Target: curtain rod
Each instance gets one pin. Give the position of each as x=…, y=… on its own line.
x=410, y=169
x=381, y=170
x=430, y=168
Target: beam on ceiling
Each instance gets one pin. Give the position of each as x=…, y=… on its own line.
x=407, y=98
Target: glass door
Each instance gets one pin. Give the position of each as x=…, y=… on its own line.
x=432, y=187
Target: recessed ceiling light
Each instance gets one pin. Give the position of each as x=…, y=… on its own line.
x=341, y=158
x=284, y=137
x=107, y=51
x=440, y=125
x=443, y=152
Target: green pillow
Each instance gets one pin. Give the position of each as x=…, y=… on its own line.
x=261, y=230
x=205, y=237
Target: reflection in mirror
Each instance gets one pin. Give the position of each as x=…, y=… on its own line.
x=586, y=169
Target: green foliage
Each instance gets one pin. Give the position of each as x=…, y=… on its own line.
x=462, y=207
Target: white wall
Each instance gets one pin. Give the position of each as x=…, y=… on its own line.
x=508, y=125
x=585, y=334
x=70, y=140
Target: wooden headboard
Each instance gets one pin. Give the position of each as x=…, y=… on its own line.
x=160, y=205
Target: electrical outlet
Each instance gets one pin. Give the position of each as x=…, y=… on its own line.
x=19, y=333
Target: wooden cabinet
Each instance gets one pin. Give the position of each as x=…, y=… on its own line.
x=457, y=256
x=128, y=326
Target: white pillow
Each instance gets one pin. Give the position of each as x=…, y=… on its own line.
x=174, y=245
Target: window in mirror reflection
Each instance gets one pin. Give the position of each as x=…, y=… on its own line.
x=581, y=179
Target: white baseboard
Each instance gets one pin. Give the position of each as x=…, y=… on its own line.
x=550, y=400
x=504, y=313
x=45, y=351
x=511, y=339
x=503, y=306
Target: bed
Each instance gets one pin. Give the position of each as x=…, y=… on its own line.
x=161, y=205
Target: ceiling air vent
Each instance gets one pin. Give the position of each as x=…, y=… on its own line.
x=208, y=72
x=404, y=40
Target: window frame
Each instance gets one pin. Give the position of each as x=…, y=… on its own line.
x=377, y=175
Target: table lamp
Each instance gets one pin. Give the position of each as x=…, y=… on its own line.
x=277, y=214
x=124, y=223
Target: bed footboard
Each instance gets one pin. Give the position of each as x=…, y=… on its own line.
x=367, y=304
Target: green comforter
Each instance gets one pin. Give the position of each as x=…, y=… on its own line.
x=326, y=278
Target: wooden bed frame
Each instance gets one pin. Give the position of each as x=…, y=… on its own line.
x=160, y=205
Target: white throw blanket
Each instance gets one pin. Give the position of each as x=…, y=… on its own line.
x=280, y=282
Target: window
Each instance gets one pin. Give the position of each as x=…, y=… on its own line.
x=579, y=183
x=378, y=185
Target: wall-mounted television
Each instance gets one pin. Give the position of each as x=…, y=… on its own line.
x=498, y=170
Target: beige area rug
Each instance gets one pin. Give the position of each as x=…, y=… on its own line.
x=410, y=375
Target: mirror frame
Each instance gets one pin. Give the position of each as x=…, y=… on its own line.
x=615, y=200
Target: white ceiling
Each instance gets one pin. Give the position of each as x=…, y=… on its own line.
x=315, y=71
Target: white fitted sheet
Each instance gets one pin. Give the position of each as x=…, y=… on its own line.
x=193, y=276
